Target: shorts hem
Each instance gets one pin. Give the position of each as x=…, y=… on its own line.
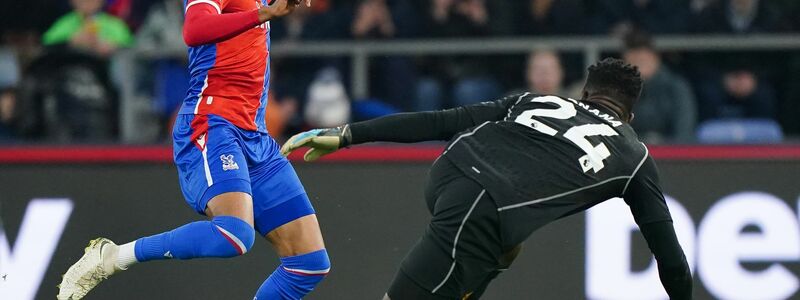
x=292, y=209
x=221, y=187
x=405, y=287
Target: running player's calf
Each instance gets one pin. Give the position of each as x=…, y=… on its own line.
x=223, y=236
x=296, y=276
x=304, y=260
x=227, y=234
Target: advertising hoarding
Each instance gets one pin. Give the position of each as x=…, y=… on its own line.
x=737, y=220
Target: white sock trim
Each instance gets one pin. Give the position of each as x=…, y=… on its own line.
x=126, y=256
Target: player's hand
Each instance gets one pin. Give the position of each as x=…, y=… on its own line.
x=321, y=141
x=297, y=2
x=279, y=8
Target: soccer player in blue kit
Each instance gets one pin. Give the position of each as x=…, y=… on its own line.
x=229, y=168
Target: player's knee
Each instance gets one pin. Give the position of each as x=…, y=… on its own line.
x=239, y=234
x=507, y=258
x=314, y=263
x=309, y=269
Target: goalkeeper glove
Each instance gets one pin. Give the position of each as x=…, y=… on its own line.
x=321, y=141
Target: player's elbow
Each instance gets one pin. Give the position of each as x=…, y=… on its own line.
x=193, y=34
x=189, y=42
x=677, y=270
x=194, y=27
x=675, y=262
x=190, y=38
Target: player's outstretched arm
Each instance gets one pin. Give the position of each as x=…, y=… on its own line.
x=400, y=128
x=673, y=270
x=206, y=24
x=649, y=208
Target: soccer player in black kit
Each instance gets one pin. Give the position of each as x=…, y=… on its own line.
x=513, y=166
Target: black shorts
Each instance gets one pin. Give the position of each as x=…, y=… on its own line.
x=461, y=250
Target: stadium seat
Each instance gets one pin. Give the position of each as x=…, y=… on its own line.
x=739, y=131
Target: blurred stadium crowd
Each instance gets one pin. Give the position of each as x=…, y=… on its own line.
x=62, y=64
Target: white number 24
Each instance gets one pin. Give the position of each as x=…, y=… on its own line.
x=593, y=160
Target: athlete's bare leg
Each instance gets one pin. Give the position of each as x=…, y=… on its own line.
x=304, y=260
x=231, y=213
x=235, y=204
x=299, y=244
x=294, y=238
x=297, y=237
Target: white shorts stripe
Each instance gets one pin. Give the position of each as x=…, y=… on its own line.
x=212, y=3
x=200, y=97
x=455, y=241
x=209, y=180
x=233, y=238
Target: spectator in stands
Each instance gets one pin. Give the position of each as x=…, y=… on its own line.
x=459, y=80
x=463, y=18
x=733, y=17
x=87, y=28
x=162, y=31
x=657, y=16
x=373, y=19
x=328, y=104
x=391, y=76
x=77, y=84
x=325, y=20
x=160, y=44
x=545, y=75
x=666, y=111
x=8, y=101
x=738, y=94
x=738, y=16
x=9, y=78
x=550, y=17
x=292, y=76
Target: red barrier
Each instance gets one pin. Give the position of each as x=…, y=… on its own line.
x=361, y=154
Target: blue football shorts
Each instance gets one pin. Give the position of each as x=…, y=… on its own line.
x=214, y=157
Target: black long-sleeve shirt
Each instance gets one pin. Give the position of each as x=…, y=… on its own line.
x=543, y=158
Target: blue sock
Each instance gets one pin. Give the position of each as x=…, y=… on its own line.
x=295, y=277
x=223, y=236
